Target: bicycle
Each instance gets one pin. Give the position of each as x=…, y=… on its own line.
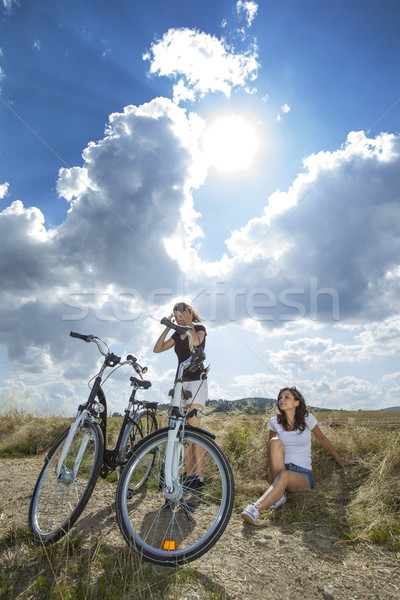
x=169, y=520
x=77, y=458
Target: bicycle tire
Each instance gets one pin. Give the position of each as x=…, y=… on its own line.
x=169, y=532
x=57, y=503
x=146, y=422
x=143, y=424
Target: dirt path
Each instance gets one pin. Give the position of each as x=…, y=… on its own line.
x=267, y=561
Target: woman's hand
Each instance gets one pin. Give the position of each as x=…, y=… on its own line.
x=323, y=440
x=162, y=344
x=187, y=318
x=347, y=463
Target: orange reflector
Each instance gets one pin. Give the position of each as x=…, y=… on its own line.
x=169, y=545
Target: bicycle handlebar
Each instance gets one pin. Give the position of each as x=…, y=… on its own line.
x=138, y=368
x=80, y=336
x=198, y=354
x=96, y=340
x=111, y=360
x=182, y=329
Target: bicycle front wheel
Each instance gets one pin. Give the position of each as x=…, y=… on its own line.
x=170, y=531
x=58, y=501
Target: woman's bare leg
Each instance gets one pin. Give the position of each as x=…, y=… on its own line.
x=194, y=455
x=276, y=458
x=280, y=479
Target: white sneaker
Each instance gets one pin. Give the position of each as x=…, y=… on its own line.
x=250, y=514
x=279, y=502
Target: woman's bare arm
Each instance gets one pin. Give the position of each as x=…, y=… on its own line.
x=162, y=344
x=323, y=440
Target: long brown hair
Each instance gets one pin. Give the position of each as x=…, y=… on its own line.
x=300, y=414
x=182, y=306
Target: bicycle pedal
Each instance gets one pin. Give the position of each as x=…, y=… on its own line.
x=105, y=471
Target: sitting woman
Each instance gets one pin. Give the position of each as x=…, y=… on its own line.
x=289, y=453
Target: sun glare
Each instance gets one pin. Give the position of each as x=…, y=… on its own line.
x=231, y=144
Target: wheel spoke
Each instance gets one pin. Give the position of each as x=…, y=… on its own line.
x=179, y=525
x=58, y=501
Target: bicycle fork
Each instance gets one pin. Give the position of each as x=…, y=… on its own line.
x=63, y=474
x=175, y=451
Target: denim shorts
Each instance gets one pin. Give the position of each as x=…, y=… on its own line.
x=302, y=470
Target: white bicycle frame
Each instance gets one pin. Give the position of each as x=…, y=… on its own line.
x=78, y=421
x=175, y=451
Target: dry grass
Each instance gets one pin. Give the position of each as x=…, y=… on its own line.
x=81, y=567
x=361, y=497
x=353, y=500
x=22, y=434
x=359, y=501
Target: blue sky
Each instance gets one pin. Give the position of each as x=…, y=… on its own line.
x=243, y=156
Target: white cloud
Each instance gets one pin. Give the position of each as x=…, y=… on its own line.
x=334, y=233
x=336, y=228
x=109, y=253
x=201, y=63
x=381, y=338
x=38, y=362
x=8, y=4
x=3, y=190
x=348, y=393
x=72, y=182
x=319, y=354
x=249, y=9
x=37, y=398
x=285, y=108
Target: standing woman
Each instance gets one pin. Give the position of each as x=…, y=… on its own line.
x=195, y=382
x=289, y=453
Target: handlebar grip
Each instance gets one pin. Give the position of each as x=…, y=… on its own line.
x=179, y=328
x=80, y=336
x=166, y=322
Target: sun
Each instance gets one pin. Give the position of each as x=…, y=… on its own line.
x=231, y=144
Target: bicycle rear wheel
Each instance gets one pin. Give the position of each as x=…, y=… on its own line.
x=146, y=423
x=169, y=531
x=143, y=424
x=57, y=502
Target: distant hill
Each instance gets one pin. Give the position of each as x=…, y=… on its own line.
x=250, y=406
x=392, y=408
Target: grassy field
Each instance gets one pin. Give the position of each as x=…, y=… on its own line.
x=362, y=503
x=367, y=498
